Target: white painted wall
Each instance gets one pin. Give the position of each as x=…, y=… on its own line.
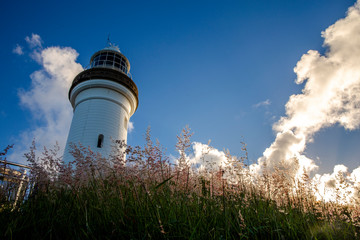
x=100, y=107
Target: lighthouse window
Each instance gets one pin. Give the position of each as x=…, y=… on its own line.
x=109, y=63
x=100, y=141
x=125, y=122
x=110, y=58
x=102, y=57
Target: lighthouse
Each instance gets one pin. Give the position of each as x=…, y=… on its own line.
x=103, y=97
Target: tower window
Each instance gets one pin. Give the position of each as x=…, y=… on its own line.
x=125, y=123
x=100, y=141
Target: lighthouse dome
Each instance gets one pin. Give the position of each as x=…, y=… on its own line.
x=110, y=57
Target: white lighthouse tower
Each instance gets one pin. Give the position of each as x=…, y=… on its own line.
x=103, y=97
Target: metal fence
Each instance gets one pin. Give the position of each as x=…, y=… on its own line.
x=15, y=184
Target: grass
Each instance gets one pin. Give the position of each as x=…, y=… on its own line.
x=149, y=198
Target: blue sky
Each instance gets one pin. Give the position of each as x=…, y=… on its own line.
x=225, y=68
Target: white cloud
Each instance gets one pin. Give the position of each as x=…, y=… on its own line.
x=263, y=103
x=340, y=185
x=18, y=50
x=206, y=157
x=284, y=150
x=34, y=40
x=331, y=95
x=130, y=127
x=47, y=99
x=35, y=43
x=36, y=55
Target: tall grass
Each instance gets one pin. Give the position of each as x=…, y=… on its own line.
x=149, y=197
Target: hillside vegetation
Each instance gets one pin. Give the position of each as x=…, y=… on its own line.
x=150, y=197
